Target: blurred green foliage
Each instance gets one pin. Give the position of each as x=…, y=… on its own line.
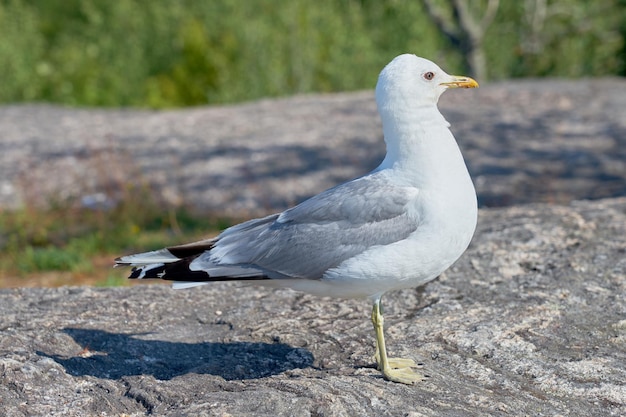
x=165, y=53
x=67, y=236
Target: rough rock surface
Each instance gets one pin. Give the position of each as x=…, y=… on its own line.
x=525, y=141
x=530, y=322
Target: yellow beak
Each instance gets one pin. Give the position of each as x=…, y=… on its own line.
x=459, y=81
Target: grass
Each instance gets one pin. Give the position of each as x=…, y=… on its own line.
x=69, y=245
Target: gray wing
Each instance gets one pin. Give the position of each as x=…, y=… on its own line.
x=320, y=233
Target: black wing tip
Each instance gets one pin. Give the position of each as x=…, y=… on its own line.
x=146, y=272
x=181, y=271
x=191, y=250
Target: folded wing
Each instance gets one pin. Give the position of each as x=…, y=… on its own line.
x=302, y=242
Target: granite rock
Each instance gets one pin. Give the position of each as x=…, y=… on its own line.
x=525, y=141
x=530, y=322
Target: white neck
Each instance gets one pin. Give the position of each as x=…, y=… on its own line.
x=424, y=150
x=420, y=144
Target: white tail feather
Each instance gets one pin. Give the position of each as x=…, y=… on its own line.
x=158, y=256
x=181, y=285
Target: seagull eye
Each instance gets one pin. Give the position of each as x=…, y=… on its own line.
x=429, y=75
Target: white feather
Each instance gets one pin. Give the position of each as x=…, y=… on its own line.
x=181, y=285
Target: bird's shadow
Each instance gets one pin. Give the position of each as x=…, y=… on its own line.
x=115, y=355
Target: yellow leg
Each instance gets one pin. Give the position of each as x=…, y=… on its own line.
x=393, y=369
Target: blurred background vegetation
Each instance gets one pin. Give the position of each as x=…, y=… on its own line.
x=173, y=53
x=169, y=53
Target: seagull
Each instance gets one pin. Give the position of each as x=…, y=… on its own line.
x=399, y=226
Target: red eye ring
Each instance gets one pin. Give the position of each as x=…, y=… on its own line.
x=429, y=75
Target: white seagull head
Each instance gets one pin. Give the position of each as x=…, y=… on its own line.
x=410, y=81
